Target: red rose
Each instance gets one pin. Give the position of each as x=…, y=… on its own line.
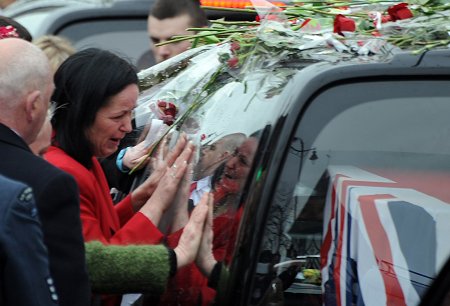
x=233, y=62
x=169, y=111
x=343, y=24
x=399, y=11
x=235, y=46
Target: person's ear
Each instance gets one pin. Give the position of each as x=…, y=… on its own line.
x=32, y=105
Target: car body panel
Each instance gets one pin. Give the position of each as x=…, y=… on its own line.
x=272, y=179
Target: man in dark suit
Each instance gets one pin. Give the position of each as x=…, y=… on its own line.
x=26, y=86
x=23, y=255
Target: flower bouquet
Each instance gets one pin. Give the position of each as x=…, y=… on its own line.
x=230, y=54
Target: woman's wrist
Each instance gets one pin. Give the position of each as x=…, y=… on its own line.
x=207, y=265
x=152, y=212
x=121, y=165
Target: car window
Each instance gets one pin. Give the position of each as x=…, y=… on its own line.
x=361, y=210
x=223, y=113
x=126, y=37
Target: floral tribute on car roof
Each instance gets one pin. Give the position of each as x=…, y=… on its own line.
x=305, y=32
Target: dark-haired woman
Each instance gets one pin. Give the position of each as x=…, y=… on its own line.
x=95, y=94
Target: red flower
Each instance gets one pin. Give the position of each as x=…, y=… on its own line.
x=235, y=46
x=343, y=24
x=399, y=11
x=233, y=62
x=202, y=137
x=8, y=31
x=169, y=111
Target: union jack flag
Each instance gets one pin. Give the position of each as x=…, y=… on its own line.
x=384, y=241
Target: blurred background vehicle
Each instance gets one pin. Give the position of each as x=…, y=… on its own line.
x=119, y=26
x=345, y=197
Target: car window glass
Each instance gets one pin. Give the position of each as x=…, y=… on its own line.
x=362, y=206
x=223, y=113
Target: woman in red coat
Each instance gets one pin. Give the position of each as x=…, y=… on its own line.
x=95, y=94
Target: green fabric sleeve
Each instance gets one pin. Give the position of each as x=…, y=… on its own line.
x=127, y=269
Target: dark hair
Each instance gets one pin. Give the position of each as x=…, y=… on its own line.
x=84, y=83
x=163, y=9
x=21, y=31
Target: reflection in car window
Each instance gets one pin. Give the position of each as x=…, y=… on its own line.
x=363, y=186
x=224, y=119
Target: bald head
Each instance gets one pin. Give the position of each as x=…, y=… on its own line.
x=214, y=154
x=25, y=87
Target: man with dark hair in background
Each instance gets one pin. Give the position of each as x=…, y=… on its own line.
x=169, y=18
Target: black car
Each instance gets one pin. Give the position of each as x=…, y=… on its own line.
x=330, y=170
x=336, y=182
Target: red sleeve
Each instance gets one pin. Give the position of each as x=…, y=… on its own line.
x=137, y=230
x=172, y=239
x=124, y=210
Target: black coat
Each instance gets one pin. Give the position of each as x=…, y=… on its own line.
x=57, y=198
x=25, y=274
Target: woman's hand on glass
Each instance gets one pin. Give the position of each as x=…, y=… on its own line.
x=190, y=240
x=160, y=164
x=205, y=259
x=166, y=189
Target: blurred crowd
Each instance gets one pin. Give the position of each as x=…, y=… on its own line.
x=63, y=238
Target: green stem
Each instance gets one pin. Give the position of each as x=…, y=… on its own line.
x=182, y=38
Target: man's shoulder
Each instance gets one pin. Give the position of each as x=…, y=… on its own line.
x=12, y=193
x=22, y=165
x=10, y=188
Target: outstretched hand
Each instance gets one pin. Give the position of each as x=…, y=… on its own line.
x=205, y=259
x=167, y=187
x=136, y=156
x=191, y=238
x=160, y=165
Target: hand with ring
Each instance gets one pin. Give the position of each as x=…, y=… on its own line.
x=168, y=185
x=160, y=166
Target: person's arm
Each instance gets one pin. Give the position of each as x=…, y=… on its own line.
x=216, y=272
x=59, y=211
x=143, y=268
x=181, y=152
x=130, y=157
x=25, y=274
x=127, y=269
